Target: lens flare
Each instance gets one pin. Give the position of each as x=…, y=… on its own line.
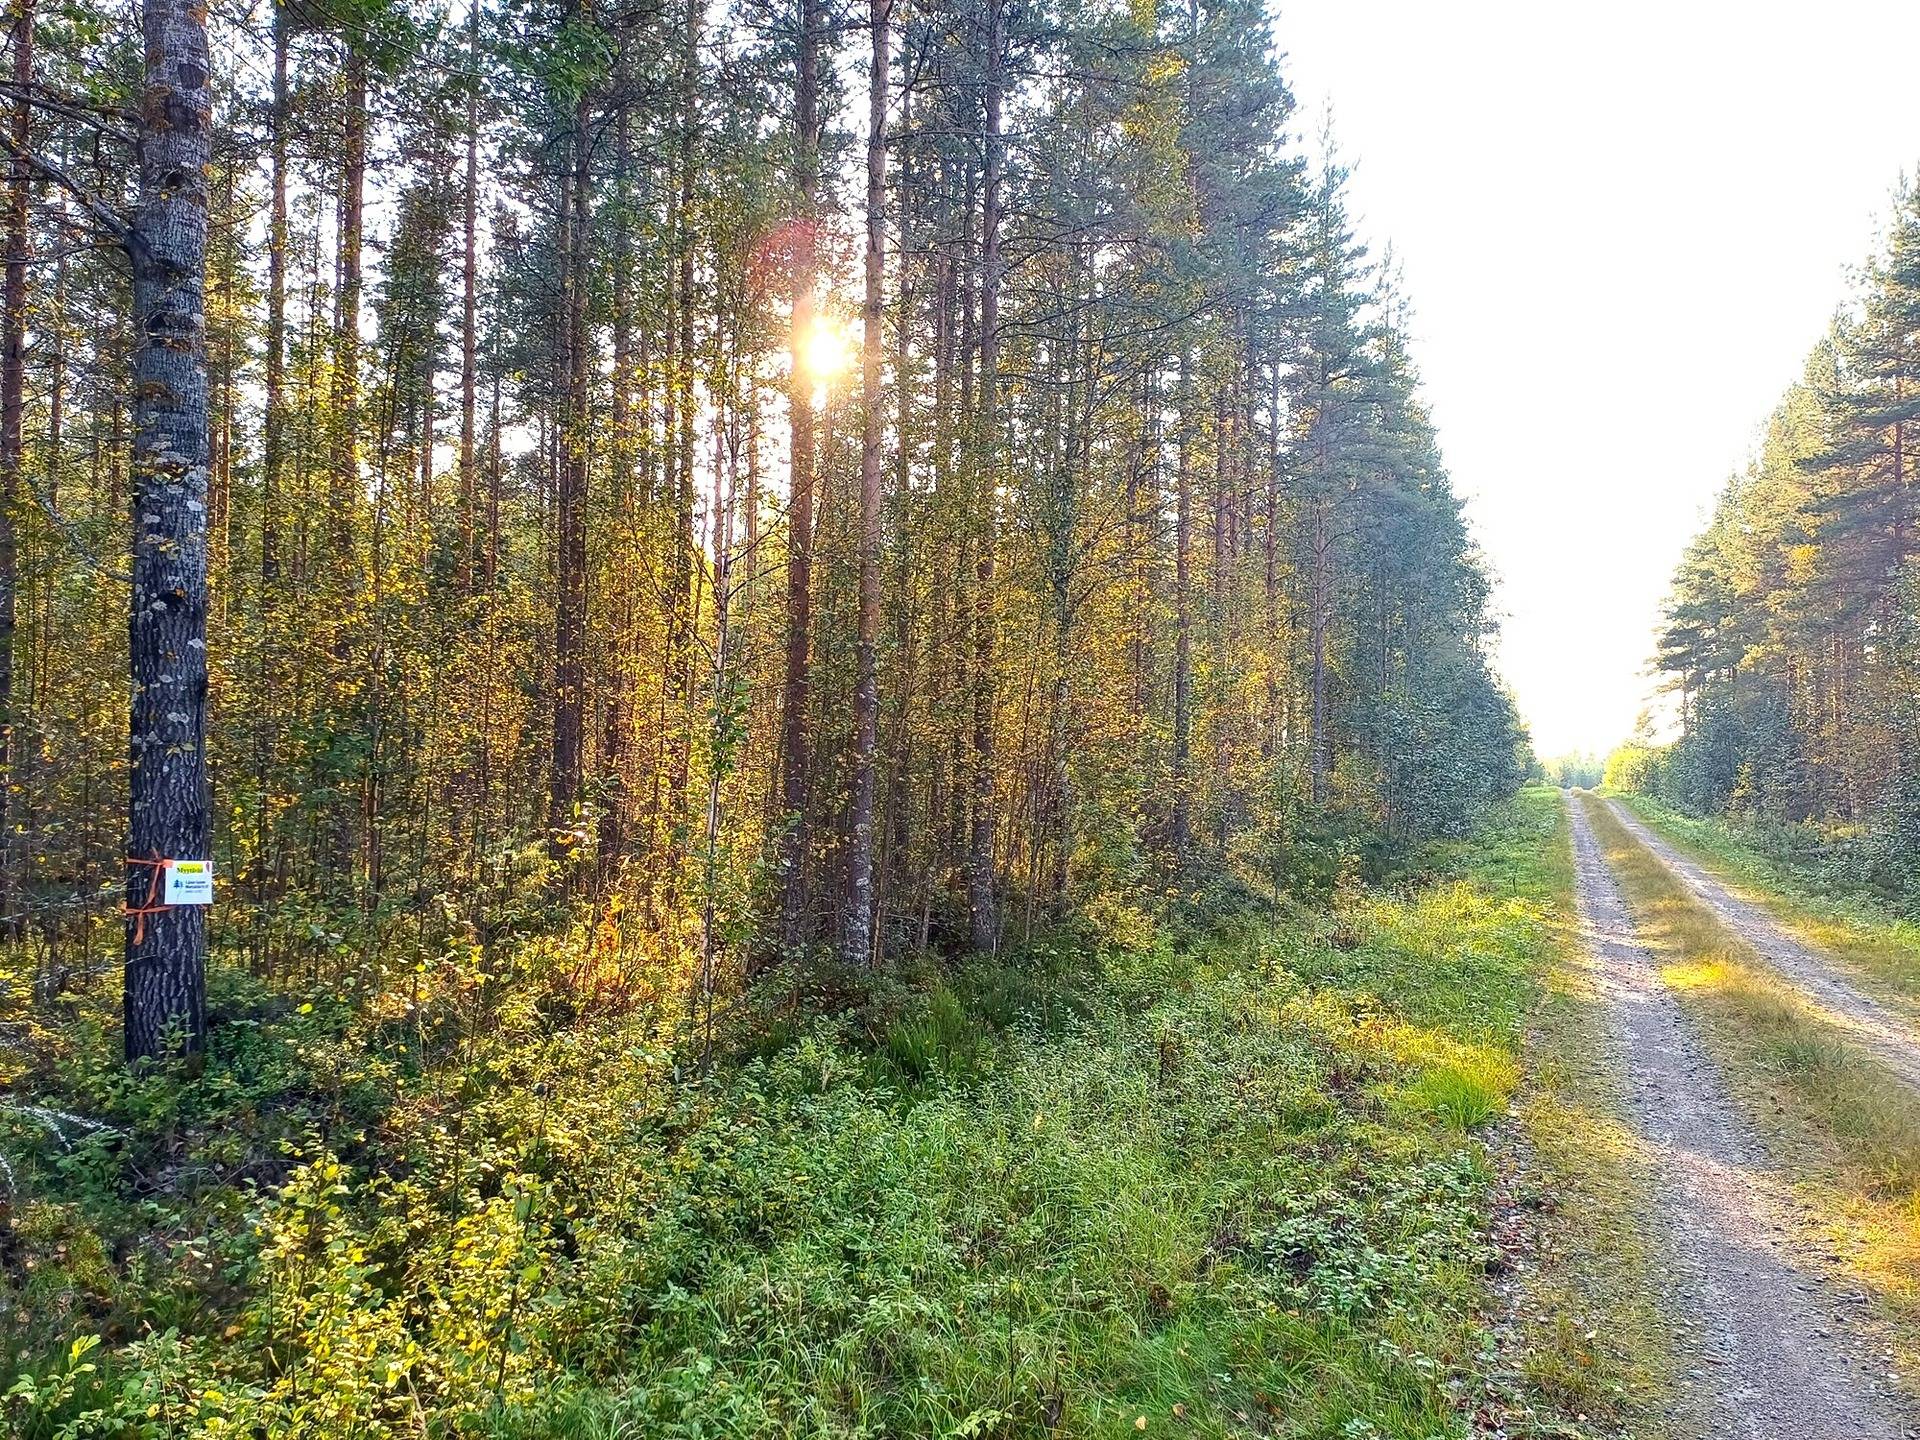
x=827, y=351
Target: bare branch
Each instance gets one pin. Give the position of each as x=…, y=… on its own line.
x=102, y=213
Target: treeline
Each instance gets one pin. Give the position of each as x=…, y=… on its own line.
x=783, y=475
x=1792, y=638
x=1578, y=769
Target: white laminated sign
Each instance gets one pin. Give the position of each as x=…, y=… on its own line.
x=189, y=882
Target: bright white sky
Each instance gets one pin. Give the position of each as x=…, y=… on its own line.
x=1622, y=228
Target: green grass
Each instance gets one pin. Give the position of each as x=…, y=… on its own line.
x=1880, y=946
x=1595, y=1342
x=1240, y=1185
x=1487, y=970
x=1849, y=1129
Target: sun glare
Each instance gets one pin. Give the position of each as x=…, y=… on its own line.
x=827, y=352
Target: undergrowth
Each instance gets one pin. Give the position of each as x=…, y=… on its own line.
x=1141, y=1178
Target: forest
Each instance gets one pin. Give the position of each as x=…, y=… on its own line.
x=1792, y=635
x=640, y=485
x=728, y=593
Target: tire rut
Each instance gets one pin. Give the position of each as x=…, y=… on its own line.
x=1876, y=1029
x=1765, y=1358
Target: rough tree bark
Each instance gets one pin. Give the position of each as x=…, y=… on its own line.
x=346, y=372
x=795, y=739
x=1181, y=835
x=680, y=660
x=616, y=748
x=469, y=311
x=570, y=560
x=982, y=909
x=169, y=811
x=857, y=942
x=274, y=458
x=13, y=369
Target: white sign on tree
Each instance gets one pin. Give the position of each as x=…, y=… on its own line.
x=189, y=882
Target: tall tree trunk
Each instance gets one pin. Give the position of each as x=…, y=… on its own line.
x=1270, y=577
x=1318, y=623
x=680, y=662
x=470, y=311
x=570, y=558
x=982, y=908
x=616, y=757
x=13, y=371
x=169, y=813
x=857, y=943
x=346, y=373
x=1182, y=777
x=723, y=740
x=274, y=457
x=796, y=692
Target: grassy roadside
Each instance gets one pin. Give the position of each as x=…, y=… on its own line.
x=1880, y=947
x=1236, y=1186
x=1849, y=1130
x=1593, y=1293
x=1580, y=1337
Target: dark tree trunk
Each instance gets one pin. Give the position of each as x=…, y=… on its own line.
x=469, y=313
x=13, y=369
x=680, y=662
x=616, y=757
x=982, y=907
x=169, y=812
x=570, y=560
x=795, y=737
x=1270, y=577
x=346, y=375
x=1181, y=829
x=857, y=943
x=274, y=458
x=1318, y=624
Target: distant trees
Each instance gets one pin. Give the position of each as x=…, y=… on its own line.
x=1792, y=637
x=570, y=549
x=1585, y=771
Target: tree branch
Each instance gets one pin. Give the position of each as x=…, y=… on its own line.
x=103, y=214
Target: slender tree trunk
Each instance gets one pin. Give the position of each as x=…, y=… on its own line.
x=13, y=370
x=680, y=661
x=858, y=941
x=470, y=312
x=570, y=560
x=1321, y=603
x=616, y=751
x=1182, y=777
x=982, y=907
x=496, y=467
x=1270, y=577
x=796, y=692
x=346, y=374
x=170, y=807
x=274, y=457
x=721, y=764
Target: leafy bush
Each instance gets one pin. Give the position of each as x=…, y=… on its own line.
x=1046, y=1196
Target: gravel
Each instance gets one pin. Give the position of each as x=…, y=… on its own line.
x=1761, y=1353
x=1869, y=1024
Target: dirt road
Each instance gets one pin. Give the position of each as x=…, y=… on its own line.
x=1762, y=1356
x=1871, y=1025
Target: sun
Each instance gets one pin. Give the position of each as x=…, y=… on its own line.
x=827, y=351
